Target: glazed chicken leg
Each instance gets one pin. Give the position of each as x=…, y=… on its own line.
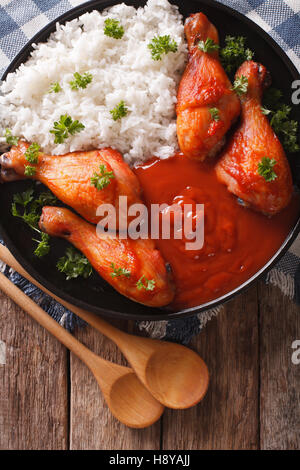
x=69, y=177
x=254, y=144
x=204, y=87
x=128, y=265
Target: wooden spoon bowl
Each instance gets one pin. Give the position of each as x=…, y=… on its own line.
x=176, y=376
x=129, y=393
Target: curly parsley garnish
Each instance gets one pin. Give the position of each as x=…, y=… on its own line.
x=29, y=209
x=279, y=113
x=10, y=139
x=81, y=81
x=119, y=111
x=144, y=283
x=55, y=87
x=64, y=127
x=208, y=46
x=240, y=85
x=215, y=114
x=32, y=153
x=29, y=170
x=119, y=271
x=162, y=45
x=43, y=247
x=113, y=28
x=100, y=181
x=234, y=53
x=265, y=169
x=74, y=264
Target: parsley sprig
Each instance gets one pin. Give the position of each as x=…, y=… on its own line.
x=64, y=127
x=119, y=271
x=43, y=247
x=29, y=170
x=279, y=114
x=32, y=156
x=265, y=169
x=100, y=181
x=234, y=53
x=10, y=139
x=81, y=81
x=240, y=85
x=55, y=87
x=113, y=28
x=208, y=46
x=215, y=114
x=119, y=111
x=74, y=264
x=162, y=45
x=144, y=283
x=32, y=153
x=29, y=209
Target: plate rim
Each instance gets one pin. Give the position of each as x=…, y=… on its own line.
x=165, y=314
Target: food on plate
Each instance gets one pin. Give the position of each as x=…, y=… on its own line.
x=134, y=268
x=206, y=103
x=82, y=180
x=254, y=165
x=92, y=116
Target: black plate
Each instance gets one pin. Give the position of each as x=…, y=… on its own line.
x=95, y=294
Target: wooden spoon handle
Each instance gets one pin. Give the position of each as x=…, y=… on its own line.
x=94, y=320
x=46, y=321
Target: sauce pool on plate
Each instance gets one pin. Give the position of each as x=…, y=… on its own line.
x=237, y=241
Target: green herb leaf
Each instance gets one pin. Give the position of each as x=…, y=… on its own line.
x=265, y=111
x=43, y=247
x=55, y=87
x=144, y=283
x=234, y=53
x=162, y=45
x=119, y=111
x=23, y=199
x=74, y=264
x=29, y=209
x=64, y=127
x=29, y=170
x=273, y=99
x=265, y=169
x=44, y=199
x=100, y=181
x=240, y=85
x=215, y=114
x=208, y=46
x=32, y=153
x=113, y=28
x=10, y=139
x=81, y=81
x=283, y=126
x=119, y=271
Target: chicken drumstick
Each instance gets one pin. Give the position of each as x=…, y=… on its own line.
x=254, y=165
x=206, y=104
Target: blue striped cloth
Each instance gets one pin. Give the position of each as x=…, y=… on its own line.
x=21, y=19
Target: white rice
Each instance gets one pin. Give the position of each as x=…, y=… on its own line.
x=122, y=69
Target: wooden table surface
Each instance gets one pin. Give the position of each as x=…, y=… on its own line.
x=49, y=400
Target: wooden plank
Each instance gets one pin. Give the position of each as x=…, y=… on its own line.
x=33, y=384
x=280, y=378
x=227, y=418
x=92, y=425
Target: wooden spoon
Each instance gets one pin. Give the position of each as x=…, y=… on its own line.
x=175, y=375
x=128, y=399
